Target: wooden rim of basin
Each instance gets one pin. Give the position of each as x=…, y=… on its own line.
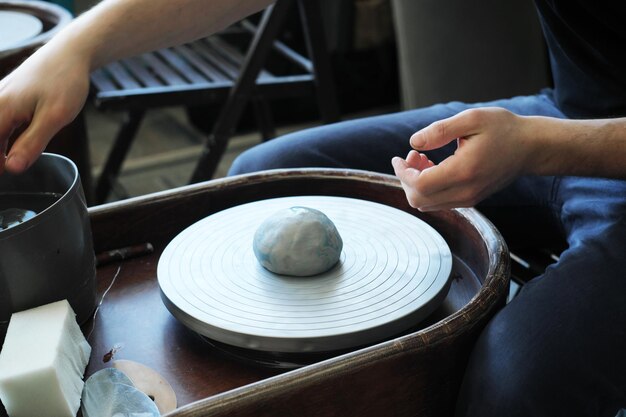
x=53, y=18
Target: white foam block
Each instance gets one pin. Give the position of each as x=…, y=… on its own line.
x=42, y=362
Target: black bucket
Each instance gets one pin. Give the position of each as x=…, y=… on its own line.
x=46, y=247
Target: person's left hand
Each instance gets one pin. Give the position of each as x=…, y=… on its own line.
x=494, y=147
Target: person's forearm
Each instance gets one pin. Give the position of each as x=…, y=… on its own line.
x=578, y=147
x=116, y=29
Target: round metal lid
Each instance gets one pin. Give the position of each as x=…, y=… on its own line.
x=394, y=270
x=17, y=27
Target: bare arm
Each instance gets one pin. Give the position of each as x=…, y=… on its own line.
x=49, y=89
x=595, y=148
x=116, y=29
x=496, y=146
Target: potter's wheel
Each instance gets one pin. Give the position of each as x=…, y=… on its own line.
x=394, y=270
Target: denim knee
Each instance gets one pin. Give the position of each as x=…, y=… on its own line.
x=556, y=349
x=511, y=375
x=315, y=147
x=246, y=162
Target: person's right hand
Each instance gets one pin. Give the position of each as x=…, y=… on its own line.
x=494, y=147
x=37, y=99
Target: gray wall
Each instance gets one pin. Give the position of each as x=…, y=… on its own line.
x=468, y=50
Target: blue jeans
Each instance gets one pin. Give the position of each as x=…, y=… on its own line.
x=557, y=349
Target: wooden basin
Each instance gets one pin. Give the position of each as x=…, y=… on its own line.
x=417, y=373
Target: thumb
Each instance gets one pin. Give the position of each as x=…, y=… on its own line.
x=442, y=132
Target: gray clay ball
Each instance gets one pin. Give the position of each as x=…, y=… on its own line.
x=297, y=241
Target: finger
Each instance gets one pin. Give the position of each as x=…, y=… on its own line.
x=412, y=157
x=453, y=197
x=408, y=177
x=403, y=170
x=3, y=150
x=444, y=131
x=399, y=166
x=418, y=160
x=425, y=162
x=446, y=200
x=462, y=193
x=438, y=178
x=7, y=126
x=405, y=173
x=31, y=143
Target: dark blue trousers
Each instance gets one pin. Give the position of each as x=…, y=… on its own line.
x=559, y=347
